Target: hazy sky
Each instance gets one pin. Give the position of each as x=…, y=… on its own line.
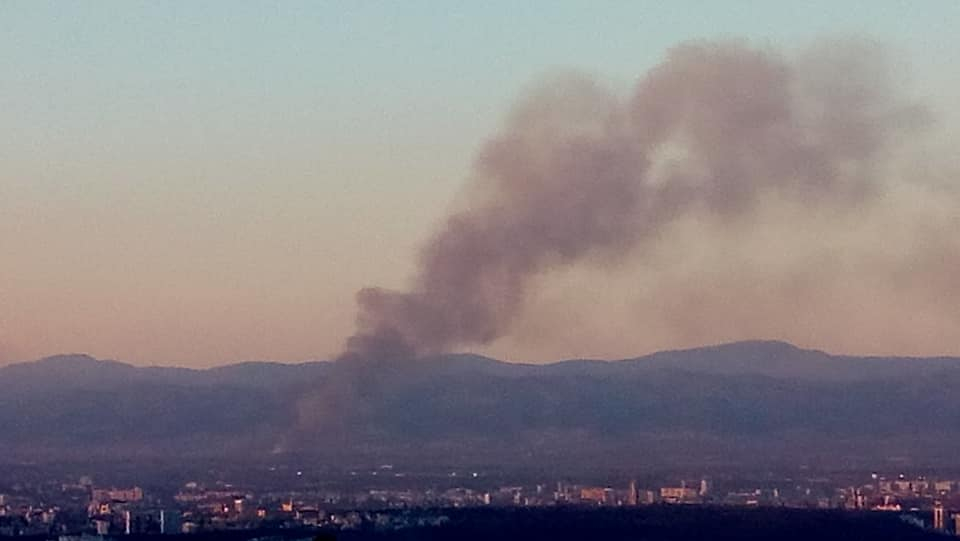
x=203, y=182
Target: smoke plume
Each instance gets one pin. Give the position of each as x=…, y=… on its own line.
x=579, y=173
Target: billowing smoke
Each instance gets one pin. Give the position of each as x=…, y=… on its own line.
x=579, y=173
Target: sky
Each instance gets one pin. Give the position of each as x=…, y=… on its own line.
x=208, y=182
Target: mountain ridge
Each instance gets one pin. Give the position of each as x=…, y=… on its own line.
x=739, y=347
x=736, y=401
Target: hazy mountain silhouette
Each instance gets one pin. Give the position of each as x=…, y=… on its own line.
x=78, y=371
x=722, y=401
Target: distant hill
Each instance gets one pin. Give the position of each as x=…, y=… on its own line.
x=78, y=371
x=743, y=401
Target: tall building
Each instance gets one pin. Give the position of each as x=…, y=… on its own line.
x=632, y=493
x=938, y=516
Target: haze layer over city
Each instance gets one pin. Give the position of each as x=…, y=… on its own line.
x=310, y=270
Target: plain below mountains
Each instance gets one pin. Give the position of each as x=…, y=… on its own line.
x=746, y=402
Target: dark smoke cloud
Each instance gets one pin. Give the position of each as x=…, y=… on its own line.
x=579, y=173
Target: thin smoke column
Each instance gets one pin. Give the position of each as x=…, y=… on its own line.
x=578, y=172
